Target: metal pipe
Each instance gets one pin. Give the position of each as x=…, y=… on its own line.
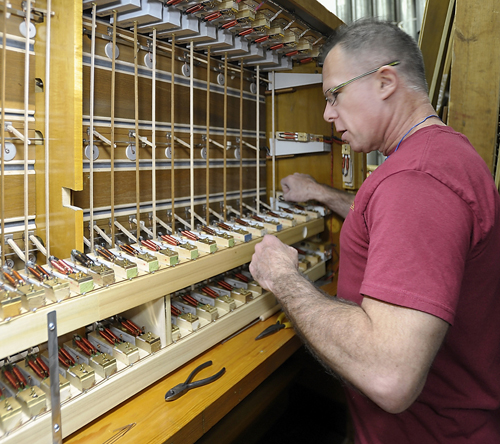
x=153, y=132
x=384, y=10
x=361, y=9
x=241, y=141
x=136, y=106
x=113, y=90
x=191, y=128
x=257, y=135
x=273, y=136
x=224, y=211
x=91, y=135
x=26, y=126
x=407, y=17
x=343, y=10
x=172, y=146
x=2, y=136
x=207, y=173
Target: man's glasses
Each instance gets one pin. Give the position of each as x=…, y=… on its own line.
x=332, y=93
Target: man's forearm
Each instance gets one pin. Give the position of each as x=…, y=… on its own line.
x=334, y=329
x=338, y=201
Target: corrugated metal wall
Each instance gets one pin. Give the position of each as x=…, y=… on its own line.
x=406, y=13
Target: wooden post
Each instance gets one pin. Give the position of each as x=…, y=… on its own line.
x=475, y=88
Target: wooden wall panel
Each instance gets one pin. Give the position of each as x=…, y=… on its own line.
x=124, y=174
x=475, y=73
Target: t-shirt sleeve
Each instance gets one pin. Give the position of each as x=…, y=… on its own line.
x=419, y=236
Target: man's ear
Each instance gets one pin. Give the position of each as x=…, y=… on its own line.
x=388, y=81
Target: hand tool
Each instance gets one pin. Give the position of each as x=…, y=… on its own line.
x=281, y=322
x=180, y=389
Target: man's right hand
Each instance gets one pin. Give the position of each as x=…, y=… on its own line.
x=300, y=188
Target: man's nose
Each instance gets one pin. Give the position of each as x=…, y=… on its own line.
x=330, y=113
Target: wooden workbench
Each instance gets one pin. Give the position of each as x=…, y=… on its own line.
x=248, y=363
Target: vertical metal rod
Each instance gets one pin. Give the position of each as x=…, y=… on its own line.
x=2, y=135
x=241, y=138
x=48, y=19
x=153, y=131
x=257, y=144
x=191, y=129
x=136, y=106
x=91, y=151
x=273, y=138
x=113, y=92
x=55, y=396
x=26, y=126
x=172, y=132
x=207, y=175
x=224, y=210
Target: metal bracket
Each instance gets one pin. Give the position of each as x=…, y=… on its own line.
x=55, y=396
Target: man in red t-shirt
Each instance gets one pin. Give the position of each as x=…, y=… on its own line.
x=414, y=330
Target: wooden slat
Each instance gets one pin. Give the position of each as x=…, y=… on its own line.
x=475, y=73
x=65, y=126
x=30, y=329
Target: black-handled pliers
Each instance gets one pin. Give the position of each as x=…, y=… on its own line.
x=180, y=389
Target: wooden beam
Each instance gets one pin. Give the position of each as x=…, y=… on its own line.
x=475, y=73
x=313, y=13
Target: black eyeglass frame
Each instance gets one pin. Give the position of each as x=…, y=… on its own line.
x=333, y=91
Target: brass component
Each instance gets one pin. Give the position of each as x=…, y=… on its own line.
x=230, y=6
x=223, y=239
x=102, y=274
x=254, y=287
x=81, y=376
x=176, y=333
x=276, y=31
x=312, y=258
x=188, y=322
x=206, y=245
x=124, y=268
x=10, y=414
x=304, y=265
x=225, y=303
x=261, y=22
x=207, y=312
x=247, y=14
x=64, y=390
x=241, y=295
x=80, y=282
x=148, y=342
x=10, y=304
x=33, y=296
x=33, y=400
x=59, y=289
x=290, y=38
x=167, y=256
x=151, y=262
x=103, y=364
x=186, y=251
x=126, y=352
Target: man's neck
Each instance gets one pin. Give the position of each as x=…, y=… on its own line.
x=404, y=125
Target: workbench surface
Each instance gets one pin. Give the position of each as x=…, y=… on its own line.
x=150, y=419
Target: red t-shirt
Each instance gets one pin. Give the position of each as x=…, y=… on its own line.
x=424, y=233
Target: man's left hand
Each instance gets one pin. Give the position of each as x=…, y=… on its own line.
x=272, y=261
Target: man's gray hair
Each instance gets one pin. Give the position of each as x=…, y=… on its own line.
x=371, y=43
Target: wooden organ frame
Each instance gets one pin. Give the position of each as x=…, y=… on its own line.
x=131, y=106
